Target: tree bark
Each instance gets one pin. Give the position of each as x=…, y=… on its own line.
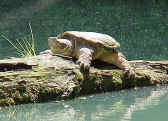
x=45, y=77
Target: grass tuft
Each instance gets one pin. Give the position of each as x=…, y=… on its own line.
x=25, y=47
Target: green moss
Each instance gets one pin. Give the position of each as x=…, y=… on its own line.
x=17, y=96
x=7, y=101
x=117, y=76
x=78, y=74
x=26, y=97
x=112, y=80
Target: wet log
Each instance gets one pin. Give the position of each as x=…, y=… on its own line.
x=45, y=78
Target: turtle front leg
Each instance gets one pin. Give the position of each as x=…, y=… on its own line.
x=120, y=61
x=85, y=57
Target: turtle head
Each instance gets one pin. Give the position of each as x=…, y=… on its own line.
x=60, y=46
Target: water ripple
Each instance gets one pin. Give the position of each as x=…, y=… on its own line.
x=114, y=106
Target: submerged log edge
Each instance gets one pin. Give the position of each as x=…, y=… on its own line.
x=46, y=78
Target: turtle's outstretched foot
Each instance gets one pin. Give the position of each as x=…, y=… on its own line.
x=129, y=74
x=118, y=59
x=84, y=65
x=85, y=58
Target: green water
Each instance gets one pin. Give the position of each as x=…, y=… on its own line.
x=142, y=104
x=141, y=27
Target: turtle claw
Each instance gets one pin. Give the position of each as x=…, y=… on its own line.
x=129, y=74
x=83, y=66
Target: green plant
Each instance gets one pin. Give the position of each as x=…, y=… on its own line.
x=25, y=47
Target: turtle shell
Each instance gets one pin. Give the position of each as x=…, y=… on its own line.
x=97, y=39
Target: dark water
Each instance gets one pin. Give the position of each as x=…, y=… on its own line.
x=142, y=104
x=140, y=26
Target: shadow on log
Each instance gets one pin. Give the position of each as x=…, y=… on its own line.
x=45, y=77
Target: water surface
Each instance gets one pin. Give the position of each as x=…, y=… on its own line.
x=141, y=104
x=140, y=26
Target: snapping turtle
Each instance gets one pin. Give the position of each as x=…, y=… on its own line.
x=88, y=46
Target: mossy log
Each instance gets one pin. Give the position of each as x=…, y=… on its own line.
x=45, y=77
